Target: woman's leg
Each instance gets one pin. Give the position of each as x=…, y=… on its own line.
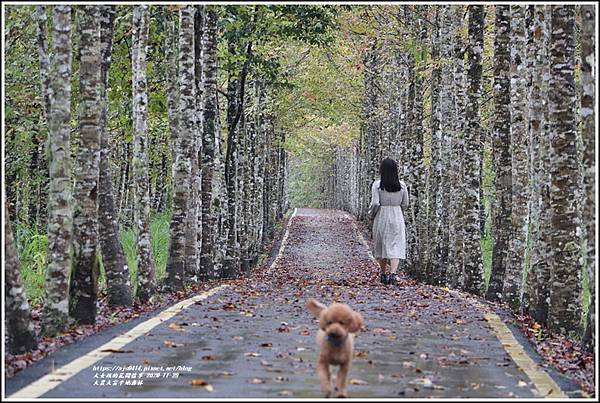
x=382, y=263
x=394, y=263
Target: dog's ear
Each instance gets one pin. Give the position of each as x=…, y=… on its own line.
x=315, y=307
x=356, y=323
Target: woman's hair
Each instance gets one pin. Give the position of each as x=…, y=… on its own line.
x=388, y=170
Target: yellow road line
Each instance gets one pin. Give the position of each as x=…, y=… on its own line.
x=55, y=378
x=540, y=378
x=283, y=242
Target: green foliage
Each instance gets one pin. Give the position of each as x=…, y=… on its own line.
x=159, y=232
x=32, y=248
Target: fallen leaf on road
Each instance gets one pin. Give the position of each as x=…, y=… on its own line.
x=521, y=384
x=267, y=345
x=176, y=326
x=202, y=382
x=361, y=354
x=251, y=354
x=209, y=357
x=355, y=381
x=169, y=343
x=392, y=337
x=305, y=333
x=227, y=373
x=408, y=364
x=256, y=380
x=285, y=393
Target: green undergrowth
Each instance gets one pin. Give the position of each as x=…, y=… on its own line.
x=32, y=248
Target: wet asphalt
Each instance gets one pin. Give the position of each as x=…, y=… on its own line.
x=256, y=339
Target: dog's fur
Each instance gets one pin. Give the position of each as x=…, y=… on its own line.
x=336, y=342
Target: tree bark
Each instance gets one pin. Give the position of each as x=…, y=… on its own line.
x=565, y=285
x=118, y=282
x=502, y=164
x=60, y=217
x=19, y=327
x=181, y=180
x=146, y=282
x=455, y=272
x=519, y=221
x=210, y=135
x=588, y=98
x=472, y=236
x=84, y=273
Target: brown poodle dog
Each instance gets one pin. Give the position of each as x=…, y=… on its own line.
x=336, y=341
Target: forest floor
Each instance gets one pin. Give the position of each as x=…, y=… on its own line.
x=254, y=338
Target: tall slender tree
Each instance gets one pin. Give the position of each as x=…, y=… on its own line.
x=181, y=179
x=210, y=135
x=501, y=155
x=588, y=98
x=534, y=293
x=146, y=282
x=472, y=235
x=60, y=216
x=519, y=152
x=455, y=271
x=84, y=273
x=118, y=283
x=566, y=265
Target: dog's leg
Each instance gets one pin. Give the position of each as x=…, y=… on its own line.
x=325, y=376
x=340, y=380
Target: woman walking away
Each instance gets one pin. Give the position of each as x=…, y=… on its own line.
x=388, y=198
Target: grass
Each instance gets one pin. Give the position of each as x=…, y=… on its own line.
x=32, y=248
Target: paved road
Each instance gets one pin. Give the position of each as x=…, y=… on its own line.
x=255, y=338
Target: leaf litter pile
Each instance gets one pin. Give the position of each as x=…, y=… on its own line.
x=418, y=340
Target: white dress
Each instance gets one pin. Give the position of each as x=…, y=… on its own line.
x=389, y=228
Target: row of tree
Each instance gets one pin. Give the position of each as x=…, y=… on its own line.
x=429, y=76
x=225, y=185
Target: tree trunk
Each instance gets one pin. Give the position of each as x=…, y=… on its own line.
x=84, y=273
x=511, y=291
x=501, y=153
x=210, y=135
x=565, y=285
x=435, y=205
x=455, y=273
x=181, y=180
x=39, y=163
x=19, y=328
x=472, y=236
x=118, y=282
x=589, y=160
x=146, y=282
x=538, y=104
x=194, y=220
x=60, y=219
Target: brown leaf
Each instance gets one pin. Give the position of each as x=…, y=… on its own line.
x=267, y=345
x=198, y=382
x=177, y=327
x=227, y=373
x=209, y=357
